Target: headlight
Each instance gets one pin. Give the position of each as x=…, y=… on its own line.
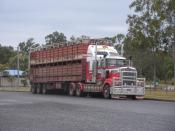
x=140, y=84
x=117, y=82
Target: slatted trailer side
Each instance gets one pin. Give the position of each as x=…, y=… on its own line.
x=54, y=66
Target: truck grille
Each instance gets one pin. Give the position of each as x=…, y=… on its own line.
x=129, y=77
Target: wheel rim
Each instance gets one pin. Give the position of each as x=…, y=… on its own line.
x=106, y=93
x=44, y=90
x=32, y=90
x=71, y=89
x=38, y=90
x=78, y=91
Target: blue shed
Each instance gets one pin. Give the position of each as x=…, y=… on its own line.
x=13, y=73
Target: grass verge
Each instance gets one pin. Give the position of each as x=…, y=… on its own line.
x=15, y=89
x=160, y=95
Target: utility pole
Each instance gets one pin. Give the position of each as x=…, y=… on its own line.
x=121, y=44
x=29, y=62
x=18, y=63
x=173, y=41
x=122, y=49
x=154, y=68
x=174, y=55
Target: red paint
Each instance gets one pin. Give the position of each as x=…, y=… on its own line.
x=109, y=67
x=109, y=80
x=112, y=75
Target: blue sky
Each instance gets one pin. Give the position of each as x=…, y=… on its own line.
x=23, y=19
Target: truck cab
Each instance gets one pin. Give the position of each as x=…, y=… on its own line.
x=115, y=74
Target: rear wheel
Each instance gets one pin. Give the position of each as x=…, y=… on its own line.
x=106, y=92
x=33, y=89
x=38, y=89
x=44, y=90
x=72, y=89
x=79, y=91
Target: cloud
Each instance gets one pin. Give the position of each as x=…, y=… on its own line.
x=20, y=20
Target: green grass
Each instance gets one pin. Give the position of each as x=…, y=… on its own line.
x=160, y=95
x=22, y=89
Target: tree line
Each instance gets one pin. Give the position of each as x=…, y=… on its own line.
x=150, y=40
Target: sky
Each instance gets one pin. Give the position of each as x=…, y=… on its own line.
x=24, y=19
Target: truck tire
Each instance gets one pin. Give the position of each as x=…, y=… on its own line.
x=78, y=91
x=72, y=89
x=138, y=97
x=38, y=89
x=106, y=92
x=33, y=90
x=44, y=90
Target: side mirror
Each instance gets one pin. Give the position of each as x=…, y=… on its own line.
x=105, y=55
x=130, y=57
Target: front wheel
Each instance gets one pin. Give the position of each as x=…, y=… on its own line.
x=138, y=97
x=106, y=92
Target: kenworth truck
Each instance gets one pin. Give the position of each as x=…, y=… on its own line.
x=91, y=66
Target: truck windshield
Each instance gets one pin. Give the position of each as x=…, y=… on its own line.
x=115, y=62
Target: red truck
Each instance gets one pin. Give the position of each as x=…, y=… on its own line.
x=92, y=66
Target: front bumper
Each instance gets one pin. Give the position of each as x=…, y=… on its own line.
x=127, y=90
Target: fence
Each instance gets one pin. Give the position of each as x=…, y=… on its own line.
x=13, y=82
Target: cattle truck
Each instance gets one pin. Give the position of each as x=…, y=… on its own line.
x=87, y=67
